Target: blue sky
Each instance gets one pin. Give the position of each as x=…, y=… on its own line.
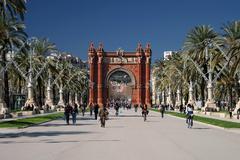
x=73, y=24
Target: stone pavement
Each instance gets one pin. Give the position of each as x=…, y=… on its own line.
x=126, y=137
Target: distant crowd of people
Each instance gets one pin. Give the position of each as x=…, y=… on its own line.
x=116, y=104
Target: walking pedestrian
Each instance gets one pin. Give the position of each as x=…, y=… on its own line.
x=83, y=108
x=144, y=112
x=96, y=110
x=67, y=112
x=103, y=113
x=74, y=113
x=162, y=110
x=238, y=113
x=91, y=108
x=135, y=107
x=117, y=106
x=230, y=112
x=189, y=112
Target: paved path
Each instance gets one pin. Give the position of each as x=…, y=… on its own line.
x=125, y=138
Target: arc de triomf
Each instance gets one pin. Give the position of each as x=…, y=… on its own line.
x=119, y=75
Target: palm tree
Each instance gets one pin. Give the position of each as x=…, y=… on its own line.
x=231, y=41
x=42, y=49
x=12, y=8
x=196, y=42
x=12, y=36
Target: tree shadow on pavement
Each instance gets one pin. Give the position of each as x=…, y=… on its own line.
x=63, y=141
x=135, y=116
x=200, y=128
x=63, y=124
x=39, y=134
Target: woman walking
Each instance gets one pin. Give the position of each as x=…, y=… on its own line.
x=74, y=114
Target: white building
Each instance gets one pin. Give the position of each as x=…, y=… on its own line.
x=167, y=54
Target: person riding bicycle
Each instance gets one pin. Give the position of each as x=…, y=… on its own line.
x=189, y=112
x=145, y=112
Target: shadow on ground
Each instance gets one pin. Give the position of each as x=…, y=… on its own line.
x=56, y=142
x=200, y=128
x=39, y=134
x=129, y=116
x=59, y=125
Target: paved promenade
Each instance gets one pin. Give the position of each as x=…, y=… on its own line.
x=126, y=137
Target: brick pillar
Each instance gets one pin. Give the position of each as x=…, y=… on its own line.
x=100, y=75
x=139, y=53
x=100, y=83
x=92, y=83
x=139, y=86
x=147, y=89
x=148, y=53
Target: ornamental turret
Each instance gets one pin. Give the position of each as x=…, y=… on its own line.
x=148, y=50
x=91, y=50
x=139, y=50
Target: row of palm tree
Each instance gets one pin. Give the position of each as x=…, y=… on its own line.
x=28, y=61
x=206, y=59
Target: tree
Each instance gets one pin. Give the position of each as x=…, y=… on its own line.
x=12, y=8
x=12, y=37
x=231, y=44
x=196, y=42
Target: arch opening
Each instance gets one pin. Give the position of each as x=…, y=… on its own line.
x=120, y=84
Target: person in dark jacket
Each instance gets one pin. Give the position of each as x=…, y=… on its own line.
x=162, y=110
x=96, y=110
x=74, y=113
x=67, y=112
x=238, y=113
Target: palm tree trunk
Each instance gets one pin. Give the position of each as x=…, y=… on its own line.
x=5, y=79
x=203, y=91
x=54, y=94
x=43, y=94
x=39, y=92
x=19, y=84
x=230, y=96
x=237, y=88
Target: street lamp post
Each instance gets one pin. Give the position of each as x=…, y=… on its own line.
x=61, y=101
x=210, y=104
x=178, y=102
x=30, y=100
x=191, y=99
x=49, y=100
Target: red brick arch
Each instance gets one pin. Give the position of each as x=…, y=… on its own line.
x=136, y=64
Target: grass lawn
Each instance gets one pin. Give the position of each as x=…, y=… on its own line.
x=26, y=122
x=212, y=121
